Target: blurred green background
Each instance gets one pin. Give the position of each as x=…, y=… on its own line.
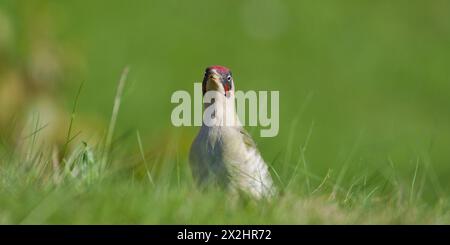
x=368, y=80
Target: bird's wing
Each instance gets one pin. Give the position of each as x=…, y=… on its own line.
x=259, y=181
x=248, y=141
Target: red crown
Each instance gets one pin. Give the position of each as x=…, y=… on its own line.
x=220, y=69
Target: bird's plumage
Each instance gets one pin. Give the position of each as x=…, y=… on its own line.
x=225, y=154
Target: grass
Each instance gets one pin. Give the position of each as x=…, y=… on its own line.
x=102, y=185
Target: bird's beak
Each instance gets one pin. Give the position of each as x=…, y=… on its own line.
x=214, y=77
x=213, y=81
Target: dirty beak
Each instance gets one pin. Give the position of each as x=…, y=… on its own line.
x=214, y=82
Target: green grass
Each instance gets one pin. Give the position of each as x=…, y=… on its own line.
x=364, y=109
x=122, y=194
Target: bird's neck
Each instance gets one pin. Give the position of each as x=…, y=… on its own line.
x=221, y=111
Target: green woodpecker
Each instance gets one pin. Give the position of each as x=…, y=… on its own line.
x=223, y=153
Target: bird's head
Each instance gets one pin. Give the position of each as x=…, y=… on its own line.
x=218, y=78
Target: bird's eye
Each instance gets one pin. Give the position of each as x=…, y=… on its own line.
x=228, y=78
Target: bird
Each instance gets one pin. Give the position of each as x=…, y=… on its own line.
x=223, y=153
